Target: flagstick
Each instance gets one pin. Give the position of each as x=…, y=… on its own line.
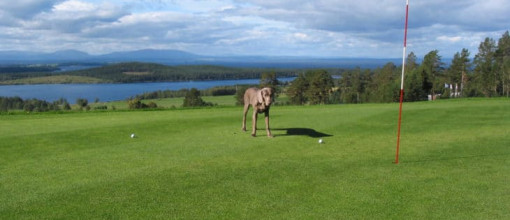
x=402, y=83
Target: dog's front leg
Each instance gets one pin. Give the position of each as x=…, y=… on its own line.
x=254, y=120
x=268, y=131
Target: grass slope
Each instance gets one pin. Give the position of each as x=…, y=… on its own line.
x=227, y=100
x=196, y=164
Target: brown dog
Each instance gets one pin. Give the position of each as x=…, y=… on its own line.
x=261, y=100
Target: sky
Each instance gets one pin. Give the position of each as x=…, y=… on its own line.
x=317, y=28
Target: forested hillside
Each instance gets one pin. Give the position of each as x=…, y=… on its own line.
x=150, y=72
x=147, y=72
x=486, y=75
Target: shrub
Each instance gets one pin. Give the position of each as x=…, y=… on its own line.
x=239, y=96
x=82, y=102
x=101, y=107
x=152, y=105
x=136, y=104
x=193, y=99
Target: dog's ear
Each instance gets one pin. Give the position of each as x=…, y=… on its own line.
x=260, y=96
x=270, y=90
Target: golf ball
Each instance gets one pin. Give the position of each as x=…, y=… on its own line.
x=321, y=141
x=132, y=135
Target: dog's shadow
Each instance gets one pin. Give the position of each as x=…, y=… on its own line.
x=300, y=132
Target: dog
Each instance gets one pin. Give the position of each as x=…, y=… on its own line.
x=260, y=100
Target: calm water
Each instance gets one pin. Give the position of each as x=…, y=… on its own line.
x=109, y=92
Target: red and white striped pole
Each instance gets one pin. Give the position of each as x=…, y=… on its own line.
x=402, y=83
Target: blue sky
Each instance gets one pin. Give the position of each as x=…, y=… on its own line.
x=319, y=28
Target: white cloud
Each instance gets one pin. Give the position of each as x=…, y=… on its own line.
x=372, y=28
x=449, y=39
x=74, y=6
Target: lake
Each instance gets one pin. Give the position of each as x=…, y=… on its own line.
x=110, y=92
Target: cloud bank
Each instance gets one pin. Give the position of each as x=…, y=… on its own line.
x=321, y=28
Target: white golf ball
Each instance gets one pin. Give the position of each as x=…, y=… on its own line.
x=321, y=141
x=132, y=135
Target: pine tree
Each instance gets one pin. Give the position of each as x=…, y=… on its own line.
x=297, y=90
x=432, y=69
x=193, y=99
x=353, y=86
x=503, y=63
x=458, y=71
x=269, y=79
x=384, y=86
x=485, y=73
x=320, y=87
x=411, y=63
x=413, y=85
x=313, y=87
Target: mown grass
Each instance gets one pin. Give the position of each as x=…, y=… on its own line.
x=228, y=100
x=196, y=164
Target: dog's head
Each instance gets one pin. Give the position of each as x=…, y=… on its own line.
x=265, y=96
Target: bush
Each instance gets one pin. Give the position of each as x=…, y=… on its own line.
x=239, y=96
x=223, y=91
x=137, y=104
x=193, y=99
x=152, y=105
x=82, y=102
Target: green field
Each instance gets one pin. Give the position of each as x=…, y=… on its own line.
x=228, y=100
x=197, y=164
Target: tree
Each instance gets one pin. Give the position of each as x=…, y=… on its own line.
x=385, y=86
x=411, y=63
x=16, y=103
x=136, y=104
x=67, y=106
x=193, y=99
x=297, y=90
x=413, y=82
x=505, y=71
x=313, y=87
x=9, y=103
x=28, y=107
x=458, y=71
x=269, y=79
x=413, y=87
x=82, y=102
x=353, y=86
x=239, y=96
x=432, y=69
x=485, y=73
x=503, y=62
x=320, y=86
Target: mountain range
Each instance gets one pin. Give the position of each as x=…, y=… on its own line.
x=177, y=57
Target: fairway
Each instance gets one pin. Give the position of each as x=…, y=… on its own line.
x=197, y=164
